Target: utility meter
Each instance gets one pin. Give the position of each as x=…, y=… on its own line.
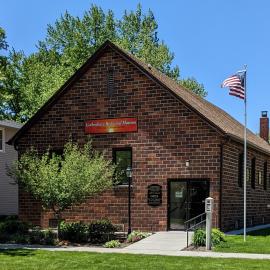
x=209, y=205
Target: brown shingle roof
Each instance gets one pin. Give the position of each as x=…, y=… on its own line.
x=215, y=116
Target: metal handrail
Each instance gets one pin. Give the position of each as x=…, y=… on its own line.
x=189, y=228
x=188, y=221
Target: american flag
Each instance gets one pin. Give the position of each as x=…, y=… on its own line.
x=236, y=85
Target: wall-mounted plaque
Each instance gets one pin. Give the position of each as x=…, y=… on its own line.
x=114, y=125
x=154, y=195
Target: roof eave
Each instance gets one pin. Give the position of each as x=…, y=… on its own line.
x=249, y=144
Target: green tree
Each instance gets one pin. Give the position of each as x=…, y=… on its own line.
x=59, y=182
x=70, y=42
x=192, y=84
x=3, y=46
x=11, y=90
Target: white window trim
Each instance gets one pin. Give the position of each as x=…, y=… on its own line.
x=3, y=140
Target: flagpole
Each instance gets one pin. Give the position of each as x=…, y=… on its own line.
x=245, y=156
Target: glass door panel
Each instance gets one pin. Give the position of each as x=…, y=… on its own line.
x=177, y=205
x=186, y=200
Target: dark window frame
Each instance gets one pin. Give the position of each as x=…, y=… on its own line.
x=240, y=169
x=114, y=153
x=2, y=140
x=265, y=175
x=253, y=172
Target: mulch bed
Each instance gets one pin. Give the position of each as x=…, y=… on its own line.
x=194, y=248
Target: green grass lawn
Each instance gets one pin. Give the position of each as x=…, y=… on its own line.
x=257, y=242
x=47, y=260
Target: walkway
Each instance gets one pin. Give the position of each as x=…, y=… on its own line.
x=161, y=243
x=144, y=252
x=170, y=241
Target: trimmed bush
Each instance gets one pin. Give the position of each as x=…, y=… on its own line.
x=199, y=237
x=42, y=237
x=12, y=226
x=101, y=231
x=137, y=236
x=19, y=239
x=73, y=232
x=112, y=244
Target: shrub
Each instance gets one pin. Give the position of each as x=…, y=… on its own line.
x=74, y=232
x=42, y=237
x=112, y=244
x=101, y=231
x=19, y=239
x=137, y=236
x=217, y=237
x=5, y=217
x=199, y=237
x=13, y=226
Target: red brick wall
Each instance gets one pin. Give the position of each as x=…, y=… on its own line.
x=233, y=195
x=169, y=133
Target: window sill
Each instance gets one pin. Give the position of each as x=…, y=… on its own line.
x=122, y=186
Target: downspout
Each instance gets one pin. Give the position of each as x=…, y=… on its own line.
x=221, y=178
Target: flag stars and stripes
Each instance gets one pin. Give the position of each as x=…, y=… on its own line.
x=236, y=85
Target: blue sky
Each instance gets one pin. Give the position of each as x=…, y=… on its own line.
x=211, y=39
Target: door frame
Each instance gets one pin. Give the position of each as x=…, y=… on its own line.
x=188, y=181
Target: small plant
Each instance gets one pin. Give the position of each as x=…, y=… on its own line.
x=112, y=244
x=74, y=232
x=49, y=237
x=199, y=237
x=137, y=236
x=217, y=237
x=101, y=231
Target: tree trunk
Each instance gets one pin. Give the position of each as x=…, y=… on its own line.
x=58, y=218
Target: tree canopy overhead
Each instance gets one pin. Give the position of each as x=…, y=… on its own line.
x=69, y=42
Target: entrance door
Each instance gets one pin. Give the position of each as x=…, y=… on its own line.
x=177, y=204
x=185, y=201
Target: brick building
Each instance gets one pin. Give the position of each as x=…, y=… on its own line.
x=186, y=146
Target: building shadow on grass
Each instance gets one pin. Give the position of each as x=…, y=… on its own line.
x=17, y=252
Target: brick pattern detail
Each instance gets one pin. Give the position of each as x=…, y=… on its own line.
x=169, y=133
x=233, y=195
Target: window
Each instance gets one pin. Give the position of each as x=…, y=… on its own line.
x=240, y=169
x=2, y=140
x=248, y=174
x=110, y=82
x=260, y=179
x=122, y=157
x=253, y=172
x=265, y=175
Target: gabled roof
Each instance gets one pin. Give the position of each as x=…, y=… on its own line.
x=10, y=123
x=216, y=117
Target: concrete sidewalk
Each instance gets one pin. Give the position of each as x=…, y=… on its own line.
x=160, y=241
x=143, y=252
